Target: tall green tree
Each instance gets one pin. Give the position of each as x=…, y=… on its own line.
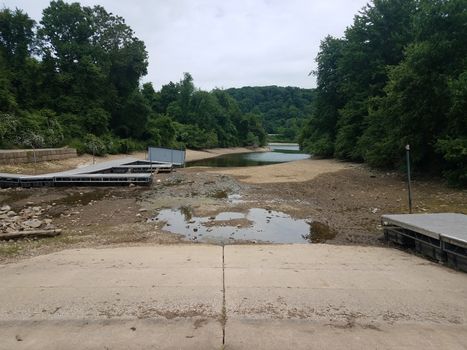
x=425, y=96
x=397, y=77
x=93, y=60
x=75, y=79
x=375, y=40
x=276, y=106
x=319, y=134
x=17, y=68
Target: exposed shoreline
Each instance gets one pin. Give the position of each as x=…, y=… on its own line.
x=192, y=155
x=86, y=159
x=288, y=172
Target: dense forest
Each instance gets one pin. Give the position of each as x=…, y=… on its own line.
x=74, y=78
x=282, y=109
x=397, y=77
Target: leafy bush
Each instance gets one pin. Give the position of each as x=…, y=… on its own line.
x=94, y=145
x=454, y=152
x=8, y=129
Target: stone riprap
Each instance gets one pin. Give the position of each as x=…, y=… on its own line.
x=27, y=219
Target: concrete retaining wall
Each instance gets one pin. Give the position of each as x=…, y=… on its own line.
x=18, y=156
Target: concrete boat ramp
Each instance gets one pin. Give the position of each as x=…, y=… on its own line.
x=123, y=171
x=205, y=297
x=439, y=236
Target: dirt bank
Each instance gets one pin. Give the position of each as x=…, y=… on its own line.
x=299, y=171
x=64, y=164
x=343, y=199
x=86, y=159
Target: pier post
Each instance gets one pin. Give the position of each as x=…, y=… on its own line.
x=409, y=185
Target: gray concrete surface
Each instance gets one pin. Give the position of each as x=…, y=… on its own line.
x=433, y=225
x=276, y=297
x=341, y=297
x=91, y=298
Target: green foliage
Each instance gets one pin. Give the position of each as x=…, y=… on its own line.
x=105, y=144
x=16, y=37
x=192, y=136
x=183, y=116
x=74, y=79
x=96, y=121
x=454, y=152
x=397, y=77
x=93, y=145
x=282, y=109
x=8, y=129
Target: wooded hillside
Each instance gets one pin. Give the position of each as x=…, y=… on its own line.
x=282, y=109
x=74, y=78
x=397, y=77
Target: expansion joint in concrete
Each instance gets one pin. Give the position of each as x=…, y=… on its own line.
x=224, y=311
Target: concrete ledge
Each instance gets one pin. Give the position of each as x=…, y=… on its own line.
x=19, y=156
x=305, y=335
x=85, y=334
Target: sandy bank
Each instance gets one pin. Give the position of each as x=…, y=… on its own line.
x=298, y=171
x=192, y=154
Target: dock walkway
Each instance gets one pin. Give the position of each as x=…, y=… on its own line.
x=440, y=236
x=122, y=171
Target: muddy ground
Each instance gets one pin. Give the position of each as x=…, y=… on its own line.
x=344, y=201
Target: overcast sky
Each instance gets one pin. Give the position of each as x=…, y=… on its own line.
x=227, y=43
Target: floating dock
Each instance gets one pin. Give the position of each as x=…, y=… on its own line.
x=441, y=236
x=123, y=171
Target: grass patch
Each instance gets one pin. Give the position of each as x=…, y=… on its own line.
x=9, y=249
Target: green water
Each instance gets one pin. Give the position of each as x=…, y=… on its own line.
x=278, y=154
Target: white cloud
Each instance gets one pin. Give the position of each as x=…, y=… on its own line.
x=227, y=43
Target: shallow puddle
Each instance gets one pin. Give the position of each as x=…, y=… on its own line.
x=256, y=224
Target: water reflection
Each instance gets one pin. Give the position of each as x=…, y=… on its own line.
x=278, y=154
x=319, y=233
x=256, y=224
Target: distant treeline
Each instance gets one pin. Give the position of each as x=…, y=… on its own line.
x=397, y=77
x=282, y=109
x=74, y=79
